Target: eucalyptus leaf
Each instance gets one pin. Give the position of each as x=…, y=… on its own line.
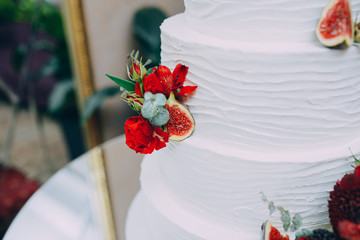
x=303, y=233
x=160, y=99
x=95, y=101
x=293, y=228
x=271, y=207
x=148, y=110
x=161, y=118
x=286, y=220
x=297, y=221
x=148, y=96
x=128, y=85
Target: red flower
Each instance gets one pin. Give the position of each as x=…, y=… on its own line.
x=163, y=81
x=135, y=68
x=349, y=230
x=142, y=137
x=344, y=203
x=138, y=89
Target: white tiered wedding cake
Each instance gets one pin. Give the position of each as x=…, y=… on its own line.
x=275, y=112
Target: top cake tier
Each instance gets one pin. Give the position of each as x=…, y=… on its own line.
x=258, y=20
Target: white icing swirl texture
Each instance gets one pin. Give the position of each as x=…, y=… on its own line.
x=267, y=98
x=258, y=20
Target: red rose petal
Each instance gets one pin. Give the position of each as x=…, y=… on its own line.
x=150, y=148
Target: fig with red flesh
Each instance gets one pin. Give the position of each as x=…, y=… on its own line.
x=271, y=233
x=335, y=26
x=181, y=123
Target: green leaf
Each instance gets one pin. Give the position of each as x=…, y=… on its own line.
x=95, y=101
x=8, y=10
x=43, y=45
x=148, y=110
x=19, y=56
x=128, y=85
x=357, y=161
x=146, y=27
x=161, y=118
x=50, y=67
x=303, y=233
x=296, y=221
x=286, y=220
x=59, y=97
x=271, y=207
x=148, y=96
x=160, y=100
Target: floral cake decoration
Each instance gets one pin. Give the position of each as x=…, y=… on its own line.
x=157, y=95
x=343, y=209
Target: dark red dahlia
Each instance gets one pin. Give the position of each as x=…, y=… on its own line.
x=344, y=203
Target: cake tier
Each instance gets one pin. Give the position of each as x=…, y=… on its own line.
x=211, y=197
x=260, y=20
x=274, y=98
x=275, y=118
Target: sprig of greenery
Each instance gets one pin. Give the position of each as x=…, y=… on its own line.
x=303, y=233
x=154, y=109
x=293, y=223
x=357, y=161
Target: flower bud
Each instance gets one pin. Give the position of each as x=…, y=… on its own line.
x=133, y=100
x=136, y=70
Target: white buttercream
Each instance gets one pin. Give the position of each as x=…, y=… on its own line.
x=277, y=118
x=258, y=20
x=194, y=194
x=268, y=98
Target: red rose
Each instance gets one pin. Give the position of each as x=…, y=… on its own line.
x=163, y=81
x=142, y=137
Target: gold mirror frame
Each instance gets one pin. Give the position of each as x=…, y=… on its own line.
x=74, y=18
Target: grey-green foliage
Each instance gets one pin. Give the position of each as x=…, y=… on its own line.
x=154, y=109
x=293, y=223
x=303, y=233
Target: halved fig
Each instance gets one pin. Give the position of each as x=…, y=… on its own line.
x=335, y=26
x=181, y=123
x=271, y=233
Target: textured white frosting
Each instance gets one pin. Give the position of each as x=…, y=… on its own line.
x=267, y=98
x=277, y=118
x=258, y=20
x=194, y=194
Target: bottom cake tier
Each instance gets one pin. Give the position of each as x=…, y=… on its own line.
x=162, y=211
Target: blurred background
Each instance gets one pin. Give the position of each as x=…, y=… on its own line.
x=55, y=100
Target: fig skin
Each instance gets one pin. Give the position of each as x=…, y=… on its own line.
x=271, y=233
x=173, y=103
x=345, y=39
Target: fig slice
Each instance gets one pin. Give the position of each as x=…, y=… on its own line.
x=335, y=26
x=269, y=232
x=181, y=123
